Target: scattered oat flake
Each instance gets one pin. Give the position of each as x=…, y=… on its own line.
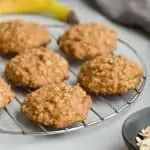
x=143, y=140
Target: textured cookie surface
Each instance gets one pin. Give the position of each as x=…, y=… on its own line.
x=57, y=105
x=17, y=35
x=86, y=41
x=37, y=68
x=110, y=75
x=6, y=95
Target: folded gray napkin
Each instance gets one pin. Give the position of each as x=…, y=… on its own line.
x=128, y=12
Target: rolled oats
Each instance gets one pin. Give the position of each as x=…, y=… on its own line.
x=144, y=142
x=57, y=105
x=6, y=95
x=110, y=75
x=18, y=35
x=88, y=41
x=37, y=68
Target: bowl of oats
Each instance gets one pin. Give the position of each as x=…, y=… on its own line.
x=136, y=130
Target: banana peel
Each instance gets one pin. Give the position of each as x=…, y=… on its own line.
x=51, y=7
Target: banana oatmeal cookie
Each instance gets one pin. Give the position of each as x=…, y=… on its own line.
x=6, y=95
x=85, y=41
x=37, y=68
x=57, y=105
x=110, y=75
x=18, y=35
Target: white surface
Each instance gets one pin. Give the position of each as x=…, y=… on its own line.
x=106, y=136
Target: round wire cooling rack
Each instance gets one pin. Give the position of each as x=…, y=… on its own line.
x=103, y=108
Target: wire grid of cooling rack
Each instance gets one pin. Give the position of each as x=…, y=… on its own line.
x=104, y=107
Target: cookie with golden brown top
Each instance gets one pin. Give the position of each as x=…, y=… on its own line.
x=110, y=75
x=85, y=41
x=57, y=105
x=17, y=35
x=37, y=68
x=6, y=95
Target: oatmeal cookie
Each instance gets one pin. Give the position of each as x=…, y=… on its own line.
x=57, y=105
x=6, y=95
x=87, y=41
x=17, y=35
x=37, y=68
x=110, y=75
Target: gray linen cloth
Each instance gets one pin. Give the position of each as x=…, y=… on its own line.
x=128, y=12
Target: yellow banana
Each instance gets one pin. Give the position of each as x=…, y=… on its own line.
x=38, y=6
